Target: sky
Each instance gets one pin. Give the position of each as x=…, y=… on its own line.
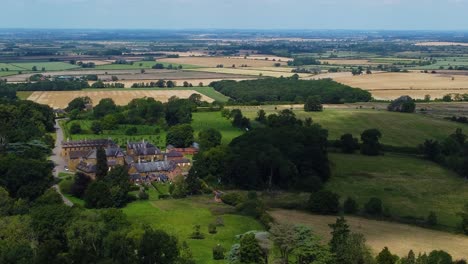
x=236, y=14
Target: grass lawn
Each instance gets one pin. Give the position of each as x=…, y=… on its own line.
x=204, y=120
x=140, y=65
x=408, y=186
x=179, y=216
x=397, y=129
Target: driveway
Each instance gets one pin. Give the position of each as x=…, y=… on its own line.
x=59, y=162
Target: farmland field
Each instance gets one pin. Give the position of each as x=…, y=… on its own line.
x=254, y=72
x=141, y=65
x=49, y=66
x=397, y=129
x=441, y=43
x=389, y=86
x=399, y=238
x=211, y=62
x=350, y=62
x=60, y=99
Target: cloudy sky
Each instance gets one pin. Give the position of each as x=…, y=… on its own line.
x=236, y=14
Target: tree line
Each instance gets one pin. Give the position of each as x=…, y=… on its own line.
x=290, y=90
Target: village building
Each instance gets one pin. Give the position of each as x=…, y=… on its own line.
x=144, y=152
x=87, y=169
x=114, y=154
x=153, y=170
x=185, y=151
x=82, y=145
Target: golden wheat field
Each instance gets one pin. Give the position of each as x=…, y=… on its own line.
x=214, y=61
x=179, y=82
x=60, y=99
x=399, y=238
x=388, y=86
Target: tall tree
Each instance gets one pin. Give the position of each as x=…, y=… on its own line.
x=209, y=138
x=250, y=251
x=370, y=142
x=156, y=246
x=101, y=164
x=340, y=233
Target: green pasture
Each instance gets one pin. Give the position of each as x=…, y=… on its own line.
x=408, y=187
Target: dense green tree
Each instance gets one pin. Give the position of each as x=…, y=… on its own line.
x=80, y=185
x=439, y=257
x=101, y=163
x=348, y=143
x=261, y=116
x=117, y=181
x=386, y=257
x=75, y=128
x=374, y=206
x=156, y=246
x=78, y=103
x=104, y=107
x=97, y=195
x=178, y=111
x=313, y=104
x=209, y=165
x=354, y=251
x=431, y=150
x=96, y=127
x=350, y=206
x=49, y=222
x=209, y=138
x=340, y=234
x=250, y=251
x=180, y=136
x=370, y=142
x=109, y=122
x=324, y=202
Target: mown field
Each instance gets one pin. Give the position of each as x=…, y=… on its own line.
x=397, y=129
x=408, y=187
x=27, y=66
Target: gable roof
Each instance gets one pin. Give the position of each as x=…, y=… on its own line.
x=143, y=148
x=88, y=143
x=155, y=166
x=85, y=167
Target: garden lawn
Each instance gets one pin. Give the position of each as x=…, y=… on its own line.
x=407, y=186
x=178, y=217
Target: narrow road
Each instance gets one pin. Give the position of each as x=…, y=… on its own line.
x=58, y=160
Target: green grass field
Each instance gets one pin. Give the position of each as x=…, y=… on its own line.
x=201, y=120
x=140, y=65
x=407, y=186
x=204, y=120
x=179, y=216
x=397, y=129
x=49, y=66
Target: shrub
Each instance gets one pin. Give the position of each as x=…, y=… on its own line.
x=231, y=198
x=131, y=131
x=324, y=202
x=142, y=195
x=374, y=206
x=350, y=206
x=218, y=252
x=212, y=228
x=219, y=221
x=75, y=128
x=431, y=219
x=197, y=234
x=164, y=196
